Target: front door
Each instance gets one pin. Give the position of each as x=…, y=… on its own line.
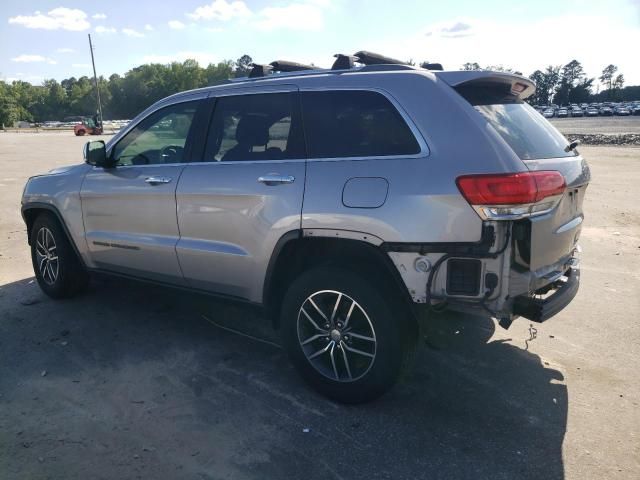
x=130, y=211
x=246, y=192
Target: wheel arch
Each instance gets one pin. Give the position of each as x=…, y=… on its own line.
x=294, y=253
x=32, y=210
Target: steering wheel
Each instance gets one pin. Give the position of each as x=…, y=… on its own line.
x=171, y=154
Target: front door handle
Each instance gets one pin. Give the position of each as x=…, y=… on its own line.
x=157, y=180
x=276, y=179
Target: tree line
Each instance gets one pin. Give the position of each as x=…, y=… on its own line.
x=125, y=96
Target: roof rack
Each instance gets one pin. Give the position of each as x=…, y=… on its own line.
x=345, y=62
x=432, y=66
x=370, y=61
x=287, y=66
x=370, y=58
x=260, y=70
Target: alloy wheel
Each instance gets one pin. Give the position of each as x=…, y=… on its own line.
x=47, y=256
x=336, y=335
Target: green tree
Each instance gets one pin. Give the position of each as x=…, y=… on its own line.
x=471, y=66
x=571, y=75
x=243, y=66
x=216, y=74
x=606, y=78
x=546, y=83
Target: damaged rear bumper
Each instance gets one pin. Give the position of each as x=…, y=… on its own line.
x=538, y=309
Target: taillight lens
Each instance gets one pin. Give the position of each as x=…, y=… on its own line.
x=512, y=195
x=511, y=188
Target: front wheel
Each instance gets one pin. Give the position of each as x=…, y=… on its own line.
x=56, y=265
x=345, y=335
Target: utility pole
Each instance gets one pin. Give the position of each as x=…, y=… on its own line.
x=95, y=81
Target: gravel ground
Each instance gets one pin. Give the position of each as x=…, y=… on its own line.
x=131, y=381
x=598, y=125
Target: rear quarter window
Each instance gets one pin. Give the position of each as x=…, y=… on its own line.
x=352, y=123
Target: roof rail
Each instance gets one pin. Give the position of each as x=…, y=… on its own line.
x=383, y=67
x=287, y=66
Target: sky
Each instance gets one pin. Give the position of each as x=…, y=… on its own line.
x=43, y=39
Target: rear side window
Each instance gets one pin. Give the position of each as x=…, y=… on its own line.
x=528, y=133
x=255, y=127
x=350, y=123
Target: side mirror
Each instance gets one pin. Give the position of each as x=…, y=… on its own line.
x=95, y=153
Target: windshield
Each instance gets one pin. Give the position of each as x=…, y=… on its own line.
x=528, y=134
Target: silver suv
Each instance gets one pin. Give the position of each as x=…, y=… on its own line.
x=348, y=203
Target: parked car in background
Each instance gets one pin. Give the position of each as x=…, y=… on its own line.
x=606, y=111
x=635, y=110
x=577, y=112
x=591, y=112
x=622, y=111
x=548, y=113
x=299, y=194
x=562, y=113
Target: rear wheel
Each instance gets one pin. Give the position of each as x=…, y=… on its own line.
x=344, y=336
x=55, y=264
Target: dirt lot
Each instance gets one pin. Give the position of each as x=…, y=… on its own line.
x=130, y=381
x=605, y=125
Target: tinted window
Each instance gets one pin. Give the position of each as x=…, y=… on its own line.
x=159, y=138
x=354, y=124
x=255, y=127
x=528, y=134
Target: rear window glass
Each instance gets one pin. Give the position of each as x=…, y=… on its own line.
x=527, y=132
x=351, y=123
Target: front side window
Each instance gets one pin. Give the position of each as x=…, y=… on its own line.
x=255, y=127
x=159, y=138
x=351, y=123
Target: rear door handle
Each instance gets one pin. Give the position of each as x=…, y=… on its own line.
x=157, y=180
x=276, y=179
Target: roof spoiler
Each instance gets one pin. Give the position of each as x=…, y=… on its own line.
x=519, y=86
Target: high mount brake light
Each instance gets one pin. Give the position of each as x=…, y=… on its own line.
x=512, y=195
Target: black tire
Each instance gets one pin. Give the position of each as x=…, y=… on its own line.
x=387, y=319
x=70, y=276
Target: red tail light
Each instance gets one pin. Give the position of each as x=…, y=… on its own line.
x=511, y=188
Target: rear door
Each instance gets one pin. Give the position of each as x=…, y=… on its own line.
x=245, y=193
x=129, y=211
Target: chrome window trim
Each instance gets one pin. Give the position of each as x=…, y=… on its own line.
x=186, y=164
x=424, y=148
x=255, y=90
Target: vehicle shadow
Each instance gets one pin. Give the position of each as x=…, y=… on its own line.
x=131, y=380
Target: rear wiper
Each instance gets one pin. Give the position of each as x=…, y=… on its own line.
x=571, y=146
